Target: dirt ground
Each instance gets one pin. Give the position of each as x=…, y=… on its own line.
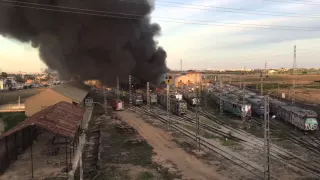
x=12, y=96
x=299, y=79
x=168, y=153
x=306, y=95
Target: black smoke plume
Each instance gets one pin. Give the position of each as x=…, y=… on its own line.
x=91, y=39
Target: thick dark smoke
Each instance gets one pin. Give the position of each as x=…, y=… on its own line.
x=117, y=40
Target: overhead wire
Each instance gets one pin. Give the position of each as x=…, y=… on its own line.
x=139, y=17
x=226, y=9
x=296, y=2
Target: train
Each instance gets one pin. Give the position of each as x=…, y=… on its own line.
x=153, y=98
x=231, y=103
x=117, y=105
x=137, y=99
x=303, y=119
x=191, y=98
x=257, y=106
x=178, y=106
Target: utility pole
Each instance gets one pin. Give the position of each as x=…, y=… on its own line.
x=243, y=103
x=148, y=97
x=181, y=65
x=19, y=102
x=130, y=92
x=293, y=74
x=263, y=73
x=266, y=139
x=221, y=103
x=118, y=88
x=240, y=82
x=104, y=100
x=168, y=107
x=198, y=120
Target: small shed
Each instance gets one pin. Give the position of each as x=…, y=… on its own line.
x=71, y=92
x=62, y=119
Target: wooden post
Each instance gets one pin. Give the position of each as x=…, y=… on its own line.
x=7, y=151
x=15, y=146
x=66, y=156
x=31, y=153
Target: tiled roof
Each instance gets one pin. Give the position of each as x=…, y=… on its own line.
x=62, y=118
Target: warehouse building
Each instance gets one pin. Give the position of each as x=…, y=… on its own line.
x=71, y=92
x=187, y=79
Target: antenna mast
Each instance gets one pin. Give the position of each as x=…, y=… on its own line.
x=294, y=74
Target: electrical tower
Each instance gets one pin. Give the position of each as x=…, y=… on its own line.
x=198, y=119
x=266, y=139
x=130, y=92
x=294, y=67
x=168, y=106
x=148, y=97
x=104, y=99
x=243, y=103
x=263, y=75
x=221, y=82
x=118, y=88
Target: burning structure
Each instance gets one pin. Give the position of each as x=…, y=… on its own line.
x=89, y=39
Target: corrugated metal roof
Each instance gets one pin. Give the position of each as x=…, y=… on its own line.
x=62, y=118
x=73, y=90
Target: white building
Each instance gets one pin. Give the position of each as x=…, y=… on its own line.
x=2, y=84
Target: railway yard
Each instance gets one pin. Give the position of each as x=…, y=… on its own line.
x=223, y=128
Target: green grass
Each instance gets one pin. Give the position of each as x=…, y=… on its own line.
x=12, y=119
x=145, y=176
x=229, y=142
x=279, y=134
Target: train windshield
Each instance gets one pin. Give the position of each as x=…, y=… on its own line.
x=311, y=121
x=311, y=124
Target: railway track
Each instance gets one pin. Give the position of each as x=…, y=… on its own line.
x=277, y=153
x=204, y=143
x=289, y=158
x=308, y=142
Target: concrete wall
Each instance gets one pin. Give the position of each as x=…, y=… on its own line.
x=191, y=78
x=43, y=100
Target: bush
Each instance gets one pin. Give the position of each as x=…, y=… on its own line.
x=12, y=119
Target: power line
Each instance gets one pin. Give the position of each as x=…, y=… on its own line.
x=226, y=9
x=141, y=16
x=296, y=2
x=183, y=21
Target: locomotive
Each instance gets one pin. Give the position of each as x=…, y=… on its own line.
x=257, y=106
x=153, y=98
x=303, y=119
x=137, y=99
x=117, y=105
x=177, y=105
x=230, y=103
x=191, y=98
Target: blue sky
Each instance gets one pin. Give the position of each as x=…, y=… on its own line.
x=222, y=39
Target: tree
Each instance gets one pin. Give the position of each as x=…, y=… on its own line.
x=3, y=75
x=19, y=79
x=9, y=83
